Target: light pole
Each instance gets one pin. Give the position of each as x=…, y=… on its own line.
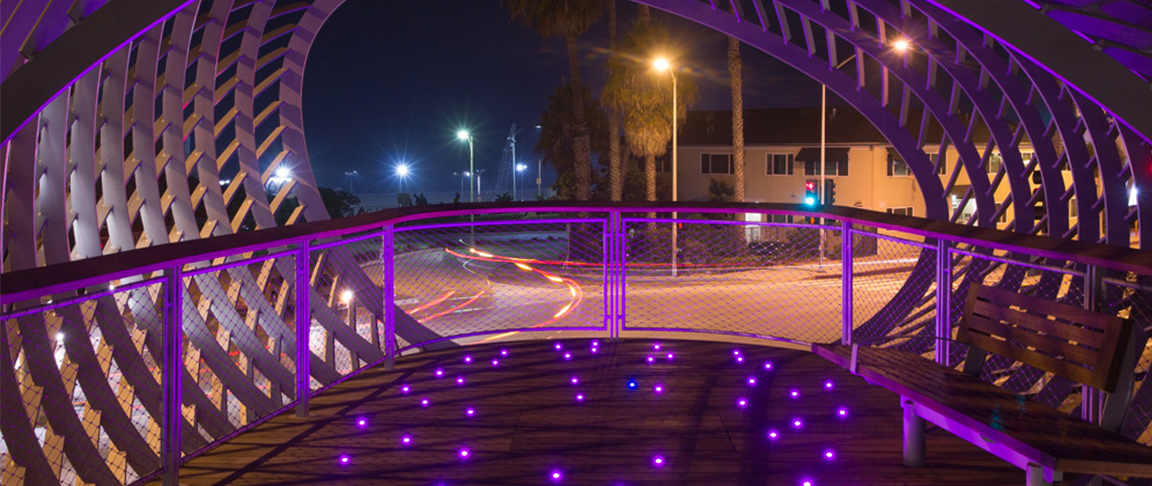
x=462, y=175
x=351, y=175
x=402, y=171
x=662, y=64
x=464, y=135
x=479, y=192
x=519, y=168
x=539, y=178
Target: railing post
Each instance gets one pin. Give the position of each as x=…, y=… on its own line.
x=607, y=273
x=387, y=265
x=1091, y=399
x=943, y=301
x=846, y=282
x=615, y=265
x=173, y=317
x=303, y=329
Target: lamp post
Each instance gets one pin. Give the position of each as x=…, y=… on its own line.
x=479, y=191
x=464, y=135
x=539, y=178
x=662, y=64
x=519, y=168
x=351, y=175
x=402, y=171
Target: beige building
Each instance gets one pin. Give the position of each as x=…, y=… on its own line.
x=782, y=153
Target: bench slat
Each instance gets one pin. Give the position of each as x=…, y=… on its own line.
x=1001, y=325
x=1047, y=307
x=1037, y=360
x=1036, y=321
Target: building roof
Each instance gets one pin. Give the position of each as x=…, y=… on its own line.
x=798, y=126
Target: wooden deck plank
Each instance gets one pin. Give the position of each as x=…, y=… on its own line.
x=528, y=424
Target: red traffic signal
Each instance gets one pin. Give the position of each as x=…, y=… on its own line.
x=810, y=186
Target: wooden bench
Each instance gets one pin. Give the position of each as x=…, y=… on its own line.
x=1095, y=350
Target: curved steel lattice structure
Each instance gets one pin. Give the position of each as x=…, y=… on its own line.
x=128, y=124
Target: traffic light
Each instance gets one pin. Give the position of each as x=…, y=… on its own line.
x=829, y=192
x=811, y=197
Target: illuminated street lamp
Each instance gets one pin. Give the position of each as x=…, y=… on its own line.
x=282, y=175
x=662, y=64
x=464, y=135
x=516, y=175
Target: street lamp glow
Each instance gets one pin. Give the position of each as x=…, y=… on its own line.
x=283, y=173
x=521, y=167
x=346, y=297
x=402, y=170
x=901, y=45
x=462, y=134
x=661, y=64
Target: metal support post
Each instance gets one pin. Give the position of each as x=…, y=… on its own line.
x=607, y=275
x=619, y=273
x=303, y=329
x=846, y=282
x=388, y=264
x=173, y=418
x=913, y=435
x=943, y=301
x=1091, y=399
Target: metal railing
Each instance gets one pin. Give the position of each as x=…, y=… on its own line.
x=118, y=376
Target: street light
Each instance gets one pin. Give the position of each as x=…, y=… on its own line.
x=351, y=175
x=662, y=64
x=479, y=191
x=516, y=175
x=279, y=177
x=464, y=135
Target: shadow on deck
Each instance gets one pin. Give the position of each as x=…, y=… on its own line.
x=528, y=423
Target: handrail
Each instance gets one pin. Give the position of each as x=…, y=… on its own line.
x=32, y=283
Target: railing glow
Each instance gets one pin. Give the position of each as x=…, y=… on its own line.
x=122, y=379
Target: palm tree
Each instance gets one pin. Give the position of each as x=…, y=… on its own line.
x=615, y=170
x=734, y=67
x=645, y=97
x=568, y=19
x=555, y=144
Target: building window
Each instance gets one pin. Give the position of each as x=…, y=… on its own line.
x=940, y=169
x=1072, y=213
x=994, y=162
x=905, y=211
x=1001, y=217
x=716, y=164
x=780, y=164
x=780, y=218
x=831, y=168
x=897, y=167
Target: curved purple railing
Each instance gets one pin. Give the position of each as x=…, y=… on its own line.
x=387, y=284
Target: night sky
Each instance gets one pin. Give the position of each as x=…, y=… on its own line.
x=391, y=81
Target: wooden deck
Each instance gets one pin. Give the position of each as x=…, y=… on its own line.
x=528, y=424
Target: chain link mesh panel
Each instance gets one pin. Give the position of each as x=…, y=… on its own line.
x=457, y=280
x=759, y=279
x=239, y=341
x=82, y=399
x=1041, y=279
x=1130, y=297
x=893, y=290
x=347, y=305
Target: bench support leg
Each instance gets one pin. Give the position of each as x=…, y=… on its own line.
x=913, y=435
x=1037, y=475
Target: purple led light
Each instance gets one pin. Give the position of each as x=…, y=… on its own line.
x=651, y=360
x=405, y=389
x=344, y=459
x=772, y=434
x=797, y=423
x=842, y=412
x=424, y=402
x=470, y=412
x=735, y=352
x=407, y=439
x=439, y=373
x=503, y=352
x=739, y=359
x=556, y=476
x=464, y=453
x=806, y=483
x=575, y=380
x=595, y=343
x=495, y=362
x=828, y=454
x=558, y=346
x=658, y=388
x=751, y=381
x=579, y=397
x=828, y=385
x=670, y=356
x=767, y=365
x=468, y=359
x=594, y=350
x=567, y=355
x=656, y=347
x=363, y=422
x=658, y=461
x=742, y=402
x=794, y=394
x=459, y=380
